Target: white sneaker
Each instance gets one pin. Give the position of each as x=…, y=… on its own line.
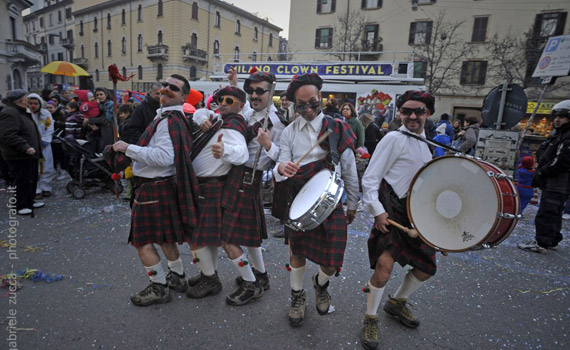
x=566, y=216
x=25, y=211
x=532, y=246
x=37, y=205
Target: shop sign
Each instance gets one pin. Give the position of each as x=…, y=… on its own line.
x=544, y=108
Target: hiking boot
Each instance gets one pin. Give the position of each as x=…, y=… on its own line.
x=176, y=282
x=369, y=336
x=323, y=297
x=208, y=285
x=297, y=310
x=246, y=292
x=154, y=293
x=192, y=281
x=399, y=309
x=263, y=279
x=532, y=246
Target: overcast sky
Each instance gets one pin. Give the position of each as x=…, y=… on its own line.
x=276, y=11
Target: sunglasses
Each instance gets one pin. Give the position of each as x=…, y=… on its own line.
x=417, y=111
x=259, y=91
x=302, y=107
x=229, y=100
x=171, y=86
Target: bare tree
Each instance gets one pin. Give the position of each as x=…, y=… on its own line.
x=442, y=52
x=347, y=35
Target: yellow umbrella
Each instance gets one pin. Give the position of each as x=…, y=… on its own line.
x=64, y=68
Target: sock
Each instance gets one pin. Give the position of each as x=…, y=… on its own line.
x=160, y=276
x=297, y=275
x=245, y=271
x=205, y=262
x=256, y=258
x=214, y=252
x=373, y=299
x=176, y=266
x=409, y=285
x=323, y=278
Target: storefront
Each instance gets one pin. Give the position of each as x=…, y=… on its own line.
x=542, y=122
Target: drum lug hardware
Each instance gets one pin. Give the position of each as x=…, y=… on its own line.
x=506, y=216
x=500, y=176
x=490, y=174
x=519, y=216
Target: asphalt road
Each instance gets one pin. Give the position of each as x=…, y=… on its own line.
x=500, y=298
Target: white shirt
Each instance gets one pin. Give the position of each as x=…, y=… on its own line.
x=266, y=156
x=397, y=159
x=298, y=137
x=157, y=158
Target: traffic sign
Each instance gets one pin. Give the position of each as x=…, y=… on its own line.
x=555, y=59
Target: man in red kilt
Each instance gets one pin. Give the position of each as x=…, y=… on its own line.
x=164, y=209
x=218, y=162
x=325, y=244
x=385, y=184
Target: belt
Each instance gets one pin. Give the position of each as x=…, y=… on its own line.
x=256, y=178
x=143, y=180
x=212, y=179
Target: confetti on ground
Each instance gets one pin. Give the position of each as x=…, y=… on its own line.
x=28, y=248
x=542, y=292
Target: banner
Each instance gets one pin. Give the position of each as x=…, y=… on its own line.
x=351, y=69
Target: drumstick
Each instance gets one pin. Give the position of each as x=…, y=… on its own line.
x=413, y=233
x=319, y=141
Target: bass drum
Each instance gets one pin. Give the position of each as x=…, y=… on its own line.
x=457, y=202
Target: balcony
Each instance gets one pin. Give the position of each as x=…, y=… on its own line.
x=191, y=54
x=68, y=43
x=157, y=52
x=82, y=62
x=370, y=51
x=42, y=48
x=20, y=51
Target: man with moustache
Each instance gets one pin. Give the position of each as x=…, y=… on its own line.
x=325, y=244
x=164, y=210
x=385, y=184
x=218, y=159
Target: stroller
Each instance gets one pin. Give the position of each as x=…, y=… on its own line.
x=86, y=168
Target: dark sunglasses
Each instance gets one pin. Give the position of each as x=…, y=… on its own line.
x=302, y=107
x=417, y=111
x=171, y=86
x=560, y=113
x=229, y=101
x=259, y=91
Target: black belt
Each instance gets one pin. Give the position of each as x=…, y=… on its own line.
x=212, y=179
x=142, y=180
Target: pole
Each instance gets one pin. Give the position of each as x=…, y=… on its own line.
x=504, y=91
x=115, y=123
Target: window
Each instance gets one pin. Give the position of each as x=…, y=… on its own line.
x=370, y=37
x=479, y=30
x=326, y=6
x=60, y=56
x=34, y=26
x=270, y=39
x=159, y=9
x=420, y=33
x=217, y=19
x=123, y=18
x=109, y=48
x=323, y=38
x=80, y=28
x=68, y=13
x=193, y=73
x=140, y=43
x=96, y=74
x=254, y=56
x=41, y=22
x=238, y=26
x=140, y=69
x=160, y=37
x=69, y=35
x=50, y=17
x=255, y=33
x=96, y=50
x=194, y=10
x=370, y=4
x=194, y=40
x=124, y=71
x=473, y=72
x=139, y=14
x=216, y=47
x=108, y=21
x=159, y=71
x=420, y=69
x=236, y=54
x=82, y=51
x=549, y=24
x=95, y=24
x=124, y=45
x=50, y=39
x=59, y=17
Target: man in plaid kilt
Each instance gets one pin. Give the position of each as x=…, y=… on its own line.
x=325, y=244
x=164, y=209
x=385, y=183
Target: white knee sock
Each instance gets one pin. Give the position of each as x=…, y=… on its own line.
x=214, y=252
x=244, y=269
x=297, y=275
x=205, y=262
x=409, y=285
x=156, y=273
x=176, y=266
x=373, y=298
x=256, y=258
x=323, y=278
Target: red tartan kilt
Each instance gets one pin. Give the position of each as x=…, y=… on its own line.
x=279, y=207
x=324, y=245
x=156, y=216
x=208, y=231
x=245, y=224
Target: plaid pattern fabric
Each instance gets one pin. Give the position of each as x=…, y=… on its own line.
x=156, y=216
x=209, y=228
x=303, y=79
x=404, y=250
x=253, y=129
x=325, y=244
x=230, y=91
x=281, y=201
x=417, y=95
x=345, y=135
x=235, y=176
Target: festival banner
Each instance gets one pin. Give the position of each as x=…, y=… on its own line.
x=350, y=69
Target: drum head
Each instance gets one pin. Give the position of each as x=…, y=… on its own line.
x=453, y=203
x=309, y=194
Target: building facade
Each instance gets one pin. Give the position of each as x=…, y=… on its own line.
x=154, y=39
x=388, y=30
x=16, y=54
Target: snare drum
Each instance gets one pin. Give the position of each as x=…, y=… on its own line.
x=458, y=202
x=316, y=200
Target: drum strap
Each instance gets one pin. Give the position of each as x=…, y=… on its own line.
x=430, y=142
x=333, y=141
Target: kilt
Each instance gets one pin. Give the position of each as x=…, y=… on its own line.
x=244, y=224
x=404, y=250
x=208, y=230
x=156, y=216
x=279, y=207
